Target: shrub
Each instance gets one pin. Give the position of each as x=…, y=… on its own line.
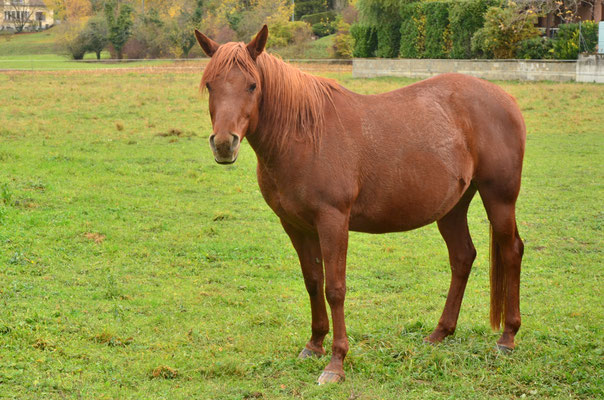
x=536, y=48
x=71, y=39
x=295, y=33
x=365, y=40
x=343, y=42
x=388, y=39
x=573, y=39
x=309, y=7
x=503, y=30
x=324, y=28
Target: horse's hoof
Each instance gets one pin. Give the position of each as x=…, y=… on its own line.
x=330, y=377
x=427, y=340
x=308, y=353
x=504, y=349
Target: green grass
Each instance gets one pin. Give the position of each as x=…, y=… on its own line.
x=133, y=266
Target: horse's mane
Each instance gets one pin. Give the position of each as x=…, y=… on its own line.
x=292, y=102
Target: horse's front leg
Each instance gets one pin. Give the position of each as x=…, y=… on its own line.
x=332, y=227
x=309, y=252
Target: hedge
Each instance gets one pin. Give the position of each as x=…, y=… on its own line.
x=388, y=39
x=365, y=40
x=319, y=17
x=412, y=46
x=438, y=33
x=466, y=17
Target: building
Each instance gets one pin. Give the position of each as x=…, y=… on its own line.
x=592, y=10
x=25, y=15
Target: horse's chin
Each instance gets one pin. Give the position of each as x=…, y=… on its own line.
x=226, y=162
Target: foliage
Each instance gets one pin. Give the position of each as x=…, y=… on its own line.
x=503, y=30
x=343, y=42
x=180, y=28
x=149, y=39
x=573, y=39
x=365, y=40
x=296, y=34
x=425, y=31
x=306, y=7
x=119, y=23
x=312, y=19
x=535, y=48
x=72, y=38
x=388, y=39
x=465, y=18
x=274, y=13
x=70, y=10
x=377, y=12
x=438, y=33
x=324, y=28
x=96, y=35
x=412, y=32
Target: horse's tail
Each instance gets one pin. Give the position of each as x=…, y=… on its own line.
x=498, y=284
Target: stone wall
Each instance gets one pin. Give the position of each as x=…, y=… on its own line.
x=522, y=70
x=591, y=68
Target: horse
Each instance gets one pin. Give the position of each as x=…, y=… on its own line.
x=332, y=161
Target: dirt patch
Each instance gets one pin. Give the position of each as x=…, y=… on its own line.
x=164, y=372
x=98, y=238
x=43, y=345
x=176, y=133
x=111, y=340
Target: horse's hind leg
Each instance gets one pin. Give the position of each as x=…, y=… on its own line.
x=506, y=256
x=454, y=230
x=311, y=261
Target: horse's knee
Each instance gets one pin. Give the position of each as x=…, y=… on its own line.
x=335, y=294
x=313, y=286
x=461, y=263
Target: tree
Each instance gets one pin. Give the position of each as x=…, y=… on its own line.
x=96, y=35
x=70, y=10
x=119, y=24
x=71, y=40
x=183, y=25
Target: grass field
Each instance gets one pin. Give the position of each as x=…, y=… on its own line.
x=133, y=266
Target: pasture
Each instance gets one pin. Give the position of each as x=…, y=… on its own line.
x=133, y=266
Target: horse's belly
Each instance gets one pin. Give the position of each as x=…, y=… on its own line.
x=410, y=198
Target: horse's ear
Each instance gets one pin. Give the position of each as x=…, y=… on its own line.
x=208, y=45
x=256, y=46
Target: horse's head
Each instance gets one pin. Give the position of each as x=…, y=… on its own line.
x=233, y=82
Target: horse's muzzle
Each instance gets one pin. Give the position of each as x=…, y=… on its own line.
x=225, y=147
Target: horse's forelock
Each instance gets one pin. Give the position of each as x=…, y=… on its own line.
x=227, y=57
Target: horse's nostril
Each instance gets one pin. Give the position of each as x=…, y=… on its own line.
x=212, y=144
x=235, y=141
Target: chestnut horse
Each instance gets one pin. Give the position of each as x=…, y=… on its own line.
x=331, y=161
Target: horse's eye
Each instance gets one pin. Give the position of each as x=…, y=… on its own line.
x=208, y=86
x=252, y=88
